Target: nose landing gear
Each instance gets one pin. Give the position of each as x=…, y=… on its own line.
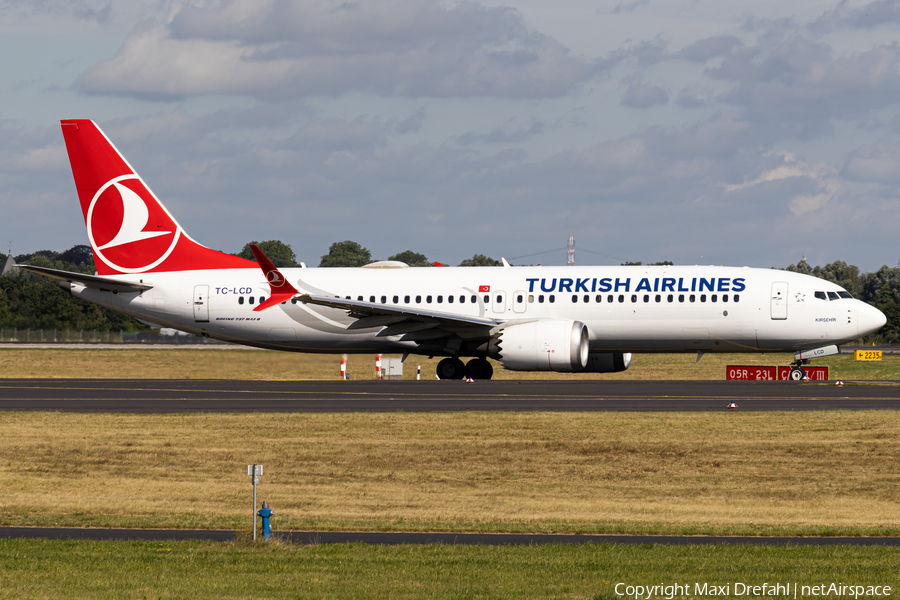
x=797, y=372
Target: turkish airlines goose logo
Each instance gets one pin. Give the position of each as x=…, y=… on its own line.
x=128, y=228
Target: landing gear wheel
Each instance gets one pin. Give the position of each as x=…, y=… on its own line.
x=450, y=368
x=479, y=368
x=797, y=374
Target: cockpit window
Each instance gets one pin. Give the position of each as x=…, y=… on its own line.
x=844, y=294
x=821, y=296
x=832, y=296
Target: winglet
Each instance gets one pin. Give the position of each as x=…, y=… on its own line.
x=279, y=287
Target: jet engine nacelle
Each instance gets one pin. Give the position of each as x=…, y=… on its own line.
x=545, y=345
x=607, y=362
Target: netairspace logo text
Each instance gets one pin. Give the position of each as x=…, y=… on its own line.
x=782, y=590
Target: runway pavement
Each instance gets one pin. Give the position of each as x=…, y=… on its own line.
x=183, y=396
x=397, y=538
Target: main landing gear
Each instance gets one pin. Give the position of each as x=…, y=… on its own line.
x=453, y=368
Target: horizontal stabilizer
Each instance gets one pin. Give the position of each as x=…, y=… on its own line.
x=90, y=281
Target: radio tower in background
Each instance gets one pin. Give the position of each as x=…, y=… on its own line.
x=570, y=261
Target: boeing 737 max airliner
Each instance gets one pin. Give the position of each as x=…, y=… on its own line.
x=577, y=319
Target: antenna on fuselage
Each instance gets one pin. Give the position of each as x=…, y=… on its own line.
x=570, y=260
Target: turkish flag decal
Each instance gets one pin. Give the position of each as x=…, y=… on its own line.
x=484, y=288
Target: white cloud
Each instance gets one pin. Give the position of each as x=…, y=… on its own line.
x=640, y=95
x=274, y=49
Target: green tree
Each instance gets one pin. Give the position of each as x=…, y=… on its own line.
x=278, y=252
x=480, y=260
x=346, y=254
x=801, y=267
x=413, y=259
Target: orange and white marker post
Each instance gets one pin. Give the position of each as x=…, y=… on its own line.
x=377, y=366
x=344, y=367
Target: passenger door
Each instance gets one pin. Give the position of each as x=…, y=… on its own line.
x=201, y=303
x=779, y=300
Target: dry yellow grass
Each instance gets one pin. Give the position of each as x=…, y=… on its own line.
x=239, y=363
x=593, y=472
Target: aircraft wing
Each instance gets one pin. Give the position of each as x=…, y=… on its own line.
x=362, y=310
x=89, y=281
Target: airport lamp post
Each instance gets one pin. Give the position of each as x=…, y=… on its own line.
x=254, y=471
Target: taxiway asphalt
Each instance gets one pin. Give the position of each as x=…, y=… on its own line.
x=237, y=396
x=420, y=538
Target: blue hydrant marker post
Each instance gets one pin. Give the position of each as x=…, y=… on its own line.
x=254, y=471
x=265, y=512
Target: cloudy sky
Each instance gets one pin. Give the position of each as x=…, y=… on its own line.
x=696, y=131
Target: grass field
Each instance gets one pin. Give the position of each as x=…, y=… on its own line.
x=831, y=473
x=115, y=570
x=237, y=363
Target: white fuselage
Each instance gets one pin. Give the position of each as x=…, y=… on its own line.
x=626, y=309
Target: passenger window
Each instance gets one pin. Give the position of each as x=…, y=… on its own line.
x=737, y=297
x=359, y=298
x=646, y=297
x=440, y=299
x=487, y=299
x=396, y=299
x=474, y=298
x=530, y=298
x=574, y=299
x=634, y=297
x=418, y=299
x=714, y=298
x=541, y=299
x=241, y=300
x=462, y=299
x=587, y=298
x=450, y=299
x=499, y=298
x=681, y=297
x=372, y=299
x=384, y=299
x=670, y=298
x=702, y=297
x=252, y=299
x=724, y=297
x=832, y=296
x=609, y=298
x=599, y=298
x=406, y=299
x=821, y=296
x=692, y=298
x=621, y=298
x=520, y=299
x=262, y=299
x=428, y=299
x=658, y=298
x=552, y=298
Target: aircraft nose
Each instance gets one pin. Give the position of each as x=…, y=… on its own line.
x=870, y=319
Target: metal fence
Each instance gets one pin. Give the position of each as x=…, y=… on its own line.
x=66, y=336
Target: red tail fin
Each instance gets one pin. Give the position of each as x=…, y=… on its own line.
x=129, y=229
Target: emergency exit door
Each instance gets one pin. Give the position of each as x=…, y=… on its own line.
x=201, y=303
x=779, y=300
